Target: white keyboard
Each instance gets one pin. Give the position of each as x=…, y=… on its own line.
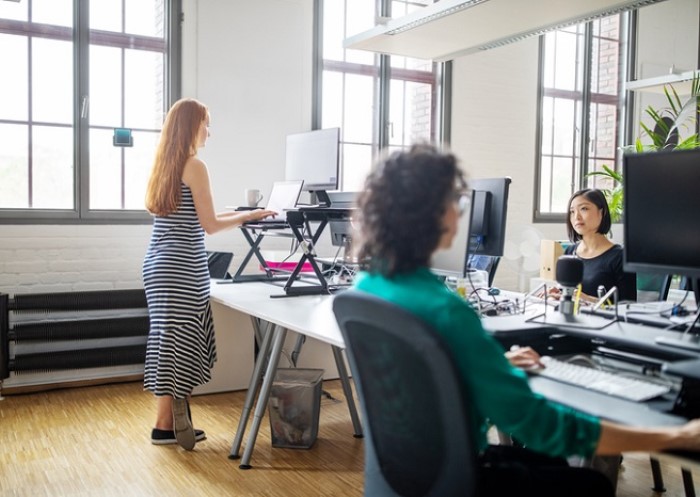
x=600, y=381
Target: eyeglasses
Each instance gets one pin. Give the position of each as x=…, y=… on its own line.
x=462, y=199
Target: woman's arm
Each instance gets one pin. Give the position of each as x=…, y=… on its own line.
x=615, y=438
x=196, y=177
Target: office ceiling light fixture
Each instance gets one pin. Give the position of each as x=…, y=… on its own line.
x=429, y=18
x=450, y=28
x=513, y=39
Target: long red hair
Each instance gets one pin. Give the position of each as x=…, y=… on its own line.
x=178, y=142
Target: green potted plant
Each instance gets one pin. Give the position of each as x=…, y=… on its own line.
x=664, y=135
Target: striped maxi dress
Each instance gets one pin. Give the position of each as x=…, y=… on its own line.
x=181, y=350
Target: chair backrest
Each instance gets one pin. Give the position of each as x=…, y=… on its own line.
x=416, y=418
x=653, y=287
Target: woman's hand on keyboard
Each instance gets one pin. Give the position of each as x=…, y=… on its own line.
x=524, y=358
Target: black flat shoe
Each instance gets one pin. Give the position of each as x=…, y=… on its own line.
x=182, y=426
x=167, y=437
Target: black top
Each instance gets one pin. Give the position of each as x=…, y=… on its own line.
x=606, y=270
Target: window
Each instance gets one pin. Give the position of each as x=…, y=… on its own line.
x=81, y=69
x=582, y=69
x=377, y=101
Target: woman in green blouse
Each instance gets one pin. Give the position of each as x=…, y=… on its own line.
x=410, y=208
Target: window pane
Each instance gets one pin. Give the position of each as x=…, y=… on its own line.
x=357, y=163
x=55, y=12
x=603, y=132
x=333, y=30
x=52, y=167
x=52, y=81
x=545, y=183
x=562, y=181
x=332, y=95
x=410, y=112
x=564, y=126
x=106, y=15
x=105, y=86
x=14, y=168
x=139, y=160
x=360, y=17
x=144, y=92
x=546, y=125
x=145, y=17
x=359, y=102
x=14, y=11
x=15, y=90
x=566, y=70
x=105, y=171
x=605, y=67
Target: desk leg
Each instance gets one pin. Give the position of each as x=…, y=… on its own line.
x=345, y=381
x=250, y=395
x=280, y=334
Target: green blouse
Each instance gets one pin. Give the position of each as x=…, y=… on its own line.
x=500, y=393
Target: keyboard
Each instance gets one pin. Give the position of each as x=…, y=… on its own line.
x=600, y=381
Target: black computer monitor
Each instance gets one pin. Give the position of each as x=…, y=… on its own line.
x=314, y=156
x=487, y=227
x=662, y=214
x=480, y=233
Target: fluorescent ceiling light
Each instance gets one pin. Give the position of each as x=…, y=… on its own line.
x=451, y=28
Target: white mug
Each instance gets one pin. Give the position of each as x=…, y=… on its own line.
x=253, y=197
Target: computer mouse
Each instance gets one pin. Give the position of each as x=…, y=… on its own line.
x=494, y=291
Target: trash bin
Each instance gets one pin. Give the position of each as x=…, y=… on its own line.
x=295, y=402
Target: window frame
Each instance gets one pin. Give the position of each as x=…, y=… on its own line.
x=81, y=37
x=624, y=102
x=384, y=74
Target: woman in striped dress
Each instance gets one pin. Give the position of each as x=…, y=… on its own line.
x=181, y=350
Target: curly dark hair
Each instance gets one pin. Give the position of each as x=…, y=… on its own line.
x=598, y=199
x=401, y=208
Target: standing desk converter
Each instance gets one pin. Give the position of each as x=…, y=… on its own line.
x=254, y=235
x=301, y=223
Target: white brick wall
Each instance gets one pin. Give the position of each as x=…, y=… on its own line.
x=37, y=259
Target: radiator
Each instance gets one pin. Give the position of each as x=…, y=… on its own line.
x=61, y=338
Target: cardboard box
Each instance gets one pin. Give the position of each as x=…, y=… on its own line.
x=550, y=251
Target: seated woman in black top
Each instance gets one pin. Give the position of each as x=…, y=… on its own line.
x=588, y=225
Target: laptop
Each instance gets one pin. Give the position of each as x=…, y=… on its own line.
x=284, y=196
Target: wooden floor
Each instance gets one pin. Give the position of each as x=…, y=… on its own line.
x=94, y=442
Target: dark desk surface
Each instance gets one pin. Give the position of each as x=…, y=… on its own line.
x=619, y=336
x=628, y=335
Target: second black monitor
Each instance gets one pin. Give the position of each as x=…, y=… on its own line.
x=487, y=226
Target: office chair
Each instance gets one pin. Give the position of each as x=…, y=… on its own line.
x=656, y=286
x=418, y=441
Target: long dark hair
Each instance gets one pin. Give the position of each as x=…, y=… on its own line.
x=597, y=198
x=402, y=206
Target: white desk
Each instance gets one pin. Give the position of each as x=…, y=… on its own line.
x=311, y=316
